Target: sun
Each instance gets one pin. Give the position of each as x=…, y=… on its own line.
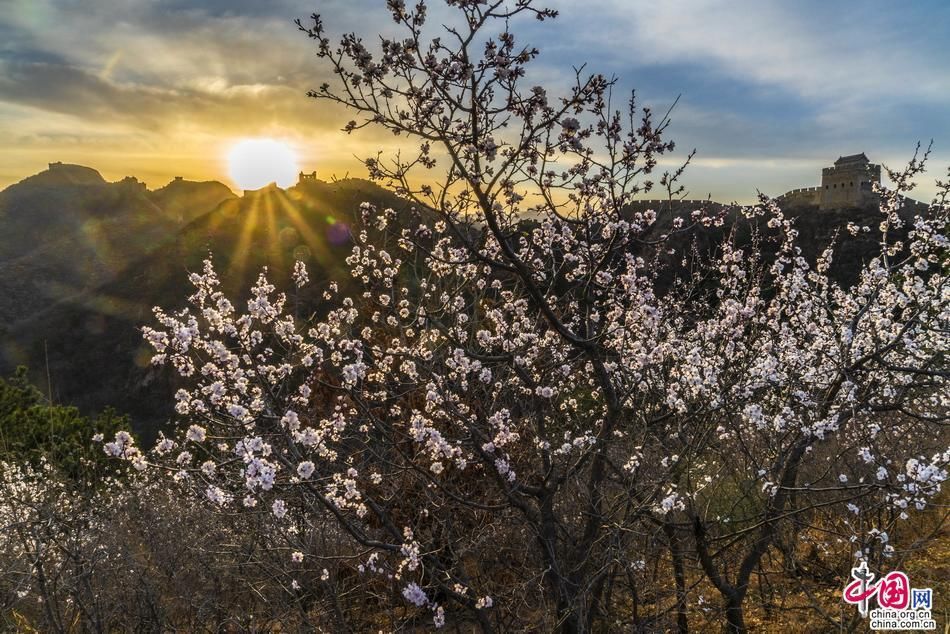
x=256, y=163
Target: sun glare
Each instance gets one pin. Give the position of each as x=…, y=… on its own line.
x=256, y=163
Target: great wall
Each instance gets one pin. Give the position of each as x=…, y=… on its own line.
x=846, y=184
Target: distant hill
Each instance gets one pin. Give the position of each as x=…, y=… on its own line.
x=95, y=352
x=66, y=230
x=182, y=201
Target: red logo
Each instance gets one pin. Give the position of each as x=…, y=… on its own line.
x=893, y=591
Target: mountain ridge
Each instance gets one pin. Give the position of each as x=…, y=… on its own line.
x=89, y=341
x=59, y=173
x=66, y=230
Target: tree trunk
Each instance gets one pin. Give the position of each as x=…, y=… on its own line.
x=571, y=622
x=735, y=620
x=569, y=613
x=679, y=576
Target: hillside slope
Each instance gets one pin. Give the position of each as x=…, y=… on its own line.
x=92, y=340
x=66, y=230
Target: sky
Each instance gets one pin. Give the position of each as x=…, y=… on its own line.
x=769, y=92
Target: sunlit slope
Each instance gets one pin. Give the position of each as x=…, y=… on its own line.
x=66, y=231
x=96, y=356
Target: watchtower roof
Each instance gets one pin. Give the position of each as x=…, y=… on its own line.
x=852, y=158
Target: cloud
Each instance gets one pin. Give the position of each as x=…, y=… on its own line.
x=136, y=84
x=197, y=102
x=779, y=82
x=763, y=83
x=812, y=50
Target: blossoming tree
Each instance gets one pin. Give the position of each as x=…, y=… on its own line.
x=517, y=395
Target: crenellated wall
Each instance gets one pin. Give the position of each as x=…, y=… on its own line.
x=801, y=197
x=847, y=184
x=666, y=201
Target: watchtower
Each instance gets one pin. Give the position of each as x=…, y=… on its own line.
x=303, y=176
x=848, y=182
